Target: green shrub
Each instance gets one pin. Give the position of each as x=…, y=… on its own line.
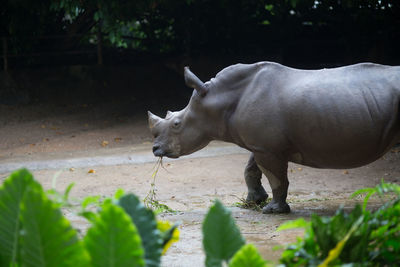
x=360, y=238
x=223, y=242
x=33, y=231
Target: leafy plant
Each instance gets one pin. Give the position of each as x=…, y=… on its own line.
x=145, y=221
x=113, y=240
x=223, y=242
x=123, y=232
x=360, y=237
x=247, y=256
x=221, y=237
x=33, y=231
x=44, y=226
x=11, y=196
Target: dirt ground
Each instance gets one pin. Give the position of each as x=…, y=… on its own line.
x=68, y=141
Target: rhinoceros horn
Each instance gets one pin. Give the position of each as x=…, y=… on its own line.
x=153, y=119
x=193, y=81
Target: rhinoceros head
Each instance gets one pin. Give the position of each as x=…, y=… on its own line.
x=182, y=132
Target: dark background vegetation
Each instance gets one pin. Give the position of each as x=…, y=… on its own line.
x=78, y=49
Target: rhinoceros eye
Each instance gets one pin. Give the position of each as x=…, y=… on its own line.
x=176, y=123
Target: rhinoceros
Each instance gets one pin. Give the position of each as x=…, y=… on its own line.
x=334, y=118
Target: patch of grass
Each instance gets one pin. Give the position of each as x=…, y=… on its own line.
x=243, y=204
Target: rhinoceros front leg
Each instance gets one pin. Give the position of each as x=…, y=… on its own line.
x=252, y=175
x=275, y=169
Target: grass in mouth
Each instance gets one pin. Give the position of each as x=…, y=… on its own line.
x=150, y=201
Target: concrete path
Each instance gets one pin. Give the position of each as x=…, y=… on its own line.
x=138, y=155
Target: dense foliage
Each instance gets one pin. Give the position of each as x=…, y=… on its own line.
x=34, y=232
x=123, y=232
x=355, y=29
x=360, y=238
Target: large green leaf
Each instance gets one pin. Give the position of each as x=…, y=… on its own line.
x=113, y=240
x=11, y=195
x=221, y=236
x=48, y=238
x=146, y=224
x=299, y=223
x=247, y=256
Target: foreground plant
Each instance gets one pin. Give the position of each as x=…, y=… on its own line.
x=33, y=231
x=223, y=242
x=123, y=232
x=360, y=238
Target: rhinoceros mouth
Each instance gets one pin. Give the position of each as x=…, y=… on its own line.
x=162, y=153
x=168, y=155
x=159, y=153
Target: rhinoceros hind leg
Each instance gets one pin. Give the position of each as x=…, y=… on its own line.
x=275, y=169
x=252, y=174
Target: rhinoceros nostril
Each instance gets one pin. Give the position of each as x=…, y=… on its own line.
x=155, y=148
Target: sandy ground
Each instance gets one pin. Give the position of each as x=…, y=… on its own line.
x=120, y=144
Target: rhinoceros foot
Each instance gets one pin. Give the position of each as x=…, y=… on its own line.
x=257, y=197
x=276, y=207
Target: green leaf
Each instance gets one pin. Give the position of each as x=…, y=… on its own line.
x=368, y=191
x=146, y=224
x=48, y=238
x=120, y=192
x=96, y=16
x=361, y=191
x=61, y=199
x=88, y=215
x=113, y=240
x=90, y=200
x=380, y=189
x=387, y=188
x=67, y=191
x=247, y=256
x=269, y=7
x=335, y=252
x=213, y=262
x=221, y=236
x=299, y=223
x=11, y=195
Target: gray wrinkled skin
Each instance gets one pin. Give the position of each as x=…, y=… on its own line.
x=331, y=118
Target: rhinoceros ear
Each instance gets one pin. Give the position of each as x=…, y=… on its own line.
x=153, y=119
x=193, y=81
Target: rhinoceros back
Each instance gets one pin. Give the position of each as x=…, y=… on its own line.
x=331, y=118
